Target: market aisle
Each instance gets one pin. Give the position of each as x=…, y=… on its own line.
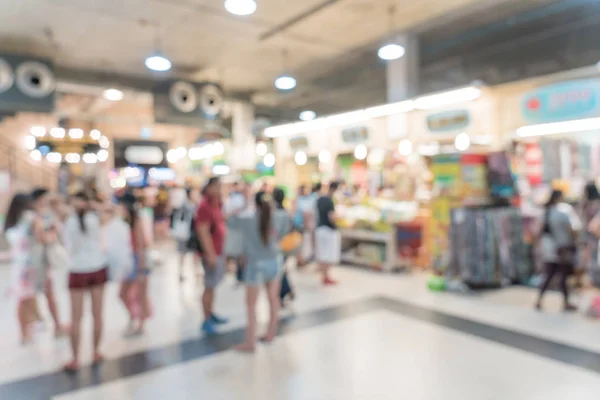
x=367, y=311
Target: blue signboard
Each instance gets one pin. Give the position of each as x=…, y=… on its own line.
x=562, y=102
x=448, y=121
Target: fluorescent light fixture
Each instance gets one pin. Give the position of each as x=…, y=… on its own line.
x=38, y=131
x=113, y=94
x=261, y=149
x=30, y=142
x=58, y=133
x=72, y=158
x=54, y=157
x=220, y=169
x=456, y=96
x=90, y=158
x=324, y=156
x=104, y=142
x=269, y=160
x=405, y=147
x=578, y=125
x=462, y=141
x=157, y=62
x=391, y=51
x=285, y=82
x=386, y=110
x=102, y=155
x=35, y=155
x=307, y=115
x=95, y=134
x=360, y=152
x=76, y=133
x=300, y=158
x=241, y=7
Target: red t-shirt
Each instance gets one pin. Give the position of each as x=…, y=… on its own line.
x=211, y=214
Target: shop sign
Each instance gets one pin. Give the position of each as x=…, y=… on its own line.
x=448, y=121
x=355, y=135
x=561, y=102
x=298, y=143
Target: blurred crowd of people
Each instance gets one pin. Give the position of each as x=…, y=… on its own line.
x=252, y=230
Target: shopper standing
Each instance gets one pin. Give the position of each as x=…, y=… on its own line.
x=286, y=290
x=88, y=273
x=46, y=232
x=210, y=229
x=591, y=212
x=557, y=242
x=262, y=232
x=181, y=222
x=327, y=237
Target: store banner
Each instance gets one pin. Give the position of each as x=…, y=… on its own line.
x=26, y=84
x=448, y=121
x=355, y=135
x=563, y=101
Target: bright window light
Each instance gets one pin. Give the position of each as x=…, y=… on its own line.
x=95, y=134
x=269, y=160
x=38, y=131
x=102, y=155
x=308, y=115
x=462, y=141
x=578, y=125
x=448, y=98
x=157, y=62
x=241, y=7
x=261, y=149
x=285, y=82
x=58, y=133
x=392, y=51
x=360, y=152
x=113, y=94
x=405, y=148
x=76, y=133
x=300, y=158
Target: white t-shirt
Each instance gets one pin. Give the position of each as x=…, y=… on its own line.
x=86, y=253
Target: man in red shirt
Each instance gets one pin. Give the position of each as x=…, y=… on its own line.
x=211, y=229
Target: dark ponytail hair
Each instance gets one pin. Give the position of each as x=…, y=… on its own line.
x=81, y=213
x=264, y=222
x=554, y=199
x=18, y=205
x=128, y=200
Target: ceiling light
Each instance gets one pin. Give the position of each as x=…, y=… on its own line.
x=104, y=142
x=462, y=141
x=217, y=149
x=308, y=115
x=269, y=160
x=38, y=131
x=72, y=158
x=220, y=169
x=102, y=155
x=114, y=94
x=448, y=98
x=360, y=152
x=391, y=52
x=157, y=62
x=95, y=134
x=30, y=142
x=579, y=125
x=35, y=155
x=172, y=156
x=261, y=149
x=285, y=82
x=90, y=158
x=324, y=156
x=76, y=133
x=376, y=157
x=241, y=7
x=58, y=133
x=300, y=158
x=195, y=153
x=405, y=148
x=54, y=157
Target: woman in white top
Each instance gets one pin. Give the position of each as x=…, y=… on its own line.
x=88, y=272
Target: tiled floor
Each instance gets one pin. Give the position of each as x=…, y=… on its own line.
x=342, y=345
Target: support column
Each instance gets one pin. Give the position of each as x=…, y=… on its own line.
x=243, y=150
x=402, y=84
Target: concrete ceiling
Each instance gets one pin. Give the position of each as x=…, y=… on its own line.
x=329, y=45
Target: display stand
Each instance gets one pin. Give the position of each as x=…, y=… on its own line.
x=351, y=238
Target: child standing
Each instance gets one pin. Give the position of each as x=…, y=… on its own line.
x=18, y=231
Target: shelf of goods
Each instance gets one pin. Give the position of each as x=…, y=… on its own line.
x=372, y=234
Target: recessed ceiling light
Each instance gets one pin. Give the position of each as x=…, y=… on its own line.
x=95, y=134
x=269, y=160
x=308, y=115
x=462, y=141
x=157, y=62
x=241, y=7
x=75, y=133
x=391, y=52
x=113, y=94
x=261, y=148
x=102, y=155
x=360, y=152
x=285, y=82
x=57, y=133
x=300, y=158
